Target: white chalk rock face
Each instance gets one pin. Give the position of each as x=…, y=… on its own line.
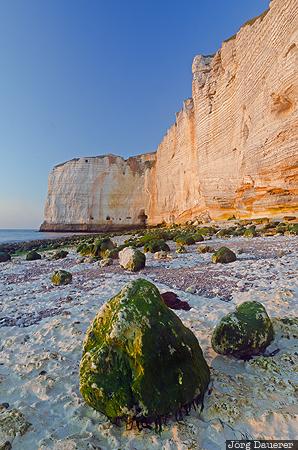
x=98, y=193
x=231, y=151
x=132, y=259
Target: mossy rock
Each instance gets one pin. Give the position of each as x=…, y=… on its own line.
x=205, y=249
x=206, y=231
x=32, y=256
x=139, y=360
x=250, y=232
x=185, y=240
x=293, y=229
x=156, y=246
x=132, y=259
x=198, y=237
x=60, y=254
x=97, y=248
x=4, y=257
x=224, y=255
x=181, y=249
x=60, y=277
x=243, y=333
x=224, y=233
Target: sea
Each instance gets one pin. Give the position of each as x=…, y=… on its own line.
x=17, y=235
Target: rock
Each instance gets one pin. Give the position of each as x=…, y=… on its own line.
x=12, y=423
x=91, y=259
x=32, y=256
x=205, y=249
x=224, y=255
x=172, y=301
x=185, y=240
x=224, y=233
x=60, y=254
x=4, y=257
x=156, y=246
x=6, y=446
x=293, y=229
x=106, y=262
x=191, y=289
x=60, y=277
x=198, y=237
x=181, y=249
x=132, y=259
x=243, y=333
x=139, y=360
x=161, y=255
x=250, y=233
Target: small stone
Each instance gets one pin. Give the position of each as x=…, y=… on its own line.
x=191, y=289
x=106, y=262
x=161, y=255
x=12, y=423
x=181, y=249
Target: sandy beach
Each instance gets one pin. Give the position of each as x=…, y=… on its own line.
x=43, y=326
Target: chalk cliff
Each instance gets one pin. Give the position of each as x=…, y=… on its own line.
x=232, y=149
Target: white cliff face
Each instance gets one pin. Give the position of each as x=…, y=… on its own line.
x=232, y=150
x=104, y=190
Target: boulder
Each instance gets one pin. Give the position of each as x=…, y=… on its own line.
x=132, y=259
x=205, y=249
x=224, y=255
x=156, y=246
x=61, y=277
x=185, y=239
x=139, y=361
x=243, y=333
x=4, y=257
x=32, y=256
x=250, y=232
x=60, y=254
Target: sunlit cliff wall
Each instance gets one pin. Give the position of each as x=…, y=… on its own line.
x=234, y=146
x=233, y=149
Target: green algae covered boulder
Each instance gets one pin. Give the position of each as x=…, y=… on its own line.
x=224, y=255
x=32, y=256
x=132, y=259
x=185, y=239
x=61, y=277
x=250, y=232
x=139, y=361
x=156, y=246
x=4, y=257
x=243, y=333
x=60, y=254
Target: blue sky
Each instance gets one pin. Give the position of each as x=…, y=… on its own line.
x=88, y=77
